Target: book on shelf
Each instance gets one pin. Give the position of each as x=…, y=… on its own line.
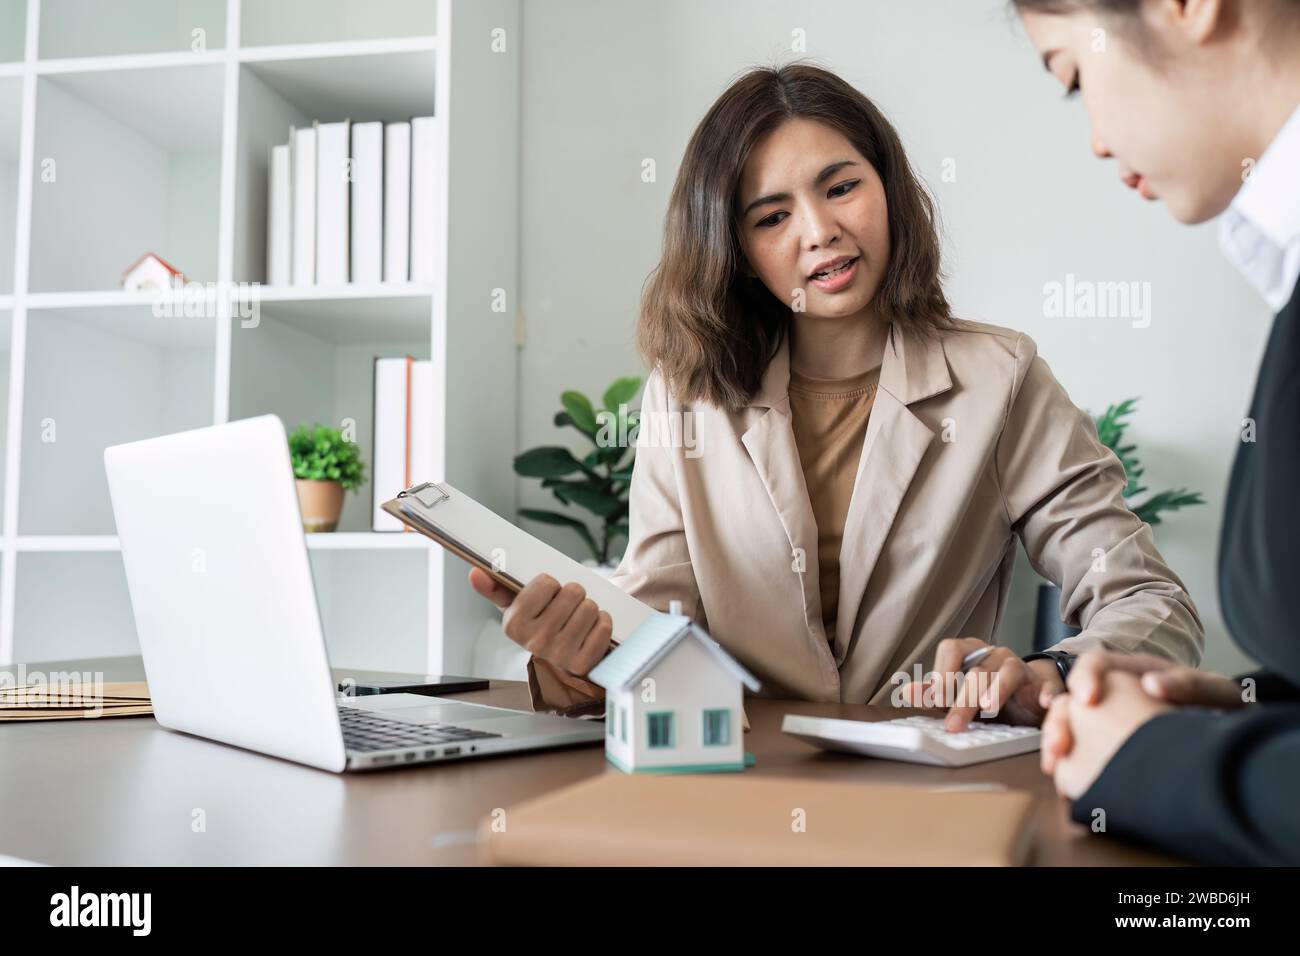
x=397, y=202
x=424, y=179
x=404, y=432
x=333, y=179
x=279, y=219
x=367, y=265
x=356, y=202
x=420, y=458
x=303, y=143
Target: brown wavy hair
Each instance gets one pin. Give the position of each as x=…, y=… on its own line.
x=709, y=329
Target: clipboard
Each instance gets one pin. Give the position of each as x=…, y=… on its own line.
x=511, y=556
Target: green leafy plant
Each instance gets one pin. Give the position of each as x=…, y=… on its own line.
x=1110, y=428
x=599, y=481
x=322, y=453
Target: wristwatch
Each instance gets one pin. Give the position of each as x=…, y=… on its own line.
x=1063, y=660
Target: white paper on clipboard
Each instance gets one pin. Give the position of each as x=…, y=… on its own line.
x=447, y=515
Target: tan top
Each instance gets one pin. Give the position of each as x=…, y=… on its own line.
x=829, y=417
x=972, y=450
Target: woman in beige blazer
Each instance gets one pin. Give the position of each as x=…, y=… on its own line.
x=832, y=472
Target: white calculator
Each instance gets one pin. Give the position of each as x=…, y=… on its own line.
x=915, y=739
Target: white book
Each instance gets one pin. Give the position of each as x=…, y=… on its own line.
x=367, y=202
x=425, y=168
x=279, y=218
x=397, y=202
x=388, y=471
x=303, y=144
x=424, y=426
x=333, y=183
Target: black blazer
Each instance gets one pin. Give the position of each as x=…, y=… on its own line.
x=1225, y=787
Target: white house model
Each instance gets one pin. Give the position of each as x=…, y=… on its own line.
x=151, y=273
x=673, y=700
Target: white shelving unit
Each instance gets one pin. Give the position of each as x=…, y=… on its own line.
x=130, y=126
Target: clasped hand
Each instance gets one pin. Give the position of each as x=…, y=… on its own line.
x=1110, y=696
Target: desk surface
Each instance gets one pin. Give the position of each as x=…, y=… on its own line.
x=126, y=792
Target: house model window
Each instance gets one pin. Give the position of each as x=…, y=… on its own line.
x=677, y=696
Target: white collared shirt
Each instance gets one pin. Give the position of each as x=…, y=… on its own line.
x=1260, y=230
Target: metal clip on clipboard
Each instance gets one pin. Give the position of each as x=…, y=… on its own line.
x=427, y=493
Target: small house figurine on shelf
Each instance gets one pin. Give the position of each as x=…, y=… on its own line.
x=673, y=700
x=152, y=273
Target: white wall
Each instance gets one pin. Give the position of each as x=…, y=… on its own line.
x=482, y=261
x=607, y=83
x=126, y=389
x=148, y=197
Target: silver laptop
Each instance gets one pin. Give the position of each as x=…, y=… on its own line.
x=230, y=630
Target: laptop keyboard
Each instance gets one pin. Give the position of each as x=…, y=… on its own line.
x=365, y=730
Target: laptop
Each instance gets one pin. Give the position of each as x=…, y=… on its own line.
x=229, y=628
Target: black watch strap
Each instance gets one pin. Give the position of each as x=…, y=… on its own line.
x=1063, y=660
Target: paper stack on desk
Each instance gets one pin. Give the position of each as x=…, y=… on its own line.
x=65, y=701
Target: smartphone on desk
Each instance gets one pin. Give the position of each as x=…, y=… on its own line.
x=429, y=686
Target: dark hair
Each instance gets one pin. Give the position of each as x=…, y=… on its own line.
x=1125, y=14
x=1066, y=6
x=1121, y=7
x=710, y=330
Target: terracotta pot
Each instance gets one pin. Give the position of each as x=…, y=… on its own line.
x=321, y=503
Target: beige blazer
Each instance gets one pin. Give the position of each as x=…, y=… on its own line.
x=971, y=446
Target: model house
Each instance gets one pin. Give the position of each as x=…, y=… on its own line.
x=151, y=273
x=673, y=700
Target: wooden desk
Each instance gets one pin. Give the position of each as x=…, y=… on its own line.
x=126, y=792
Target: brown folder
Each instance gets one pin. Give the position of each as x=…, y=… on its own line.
x=618, y=819
x=69, y=701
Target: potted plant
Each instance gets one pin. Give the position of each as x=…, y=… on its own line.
x=325, y=465
x=599, y=481
x=1111, y=425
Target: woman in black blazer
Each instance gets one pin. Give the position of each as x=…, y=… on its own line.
x=1199, y=102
